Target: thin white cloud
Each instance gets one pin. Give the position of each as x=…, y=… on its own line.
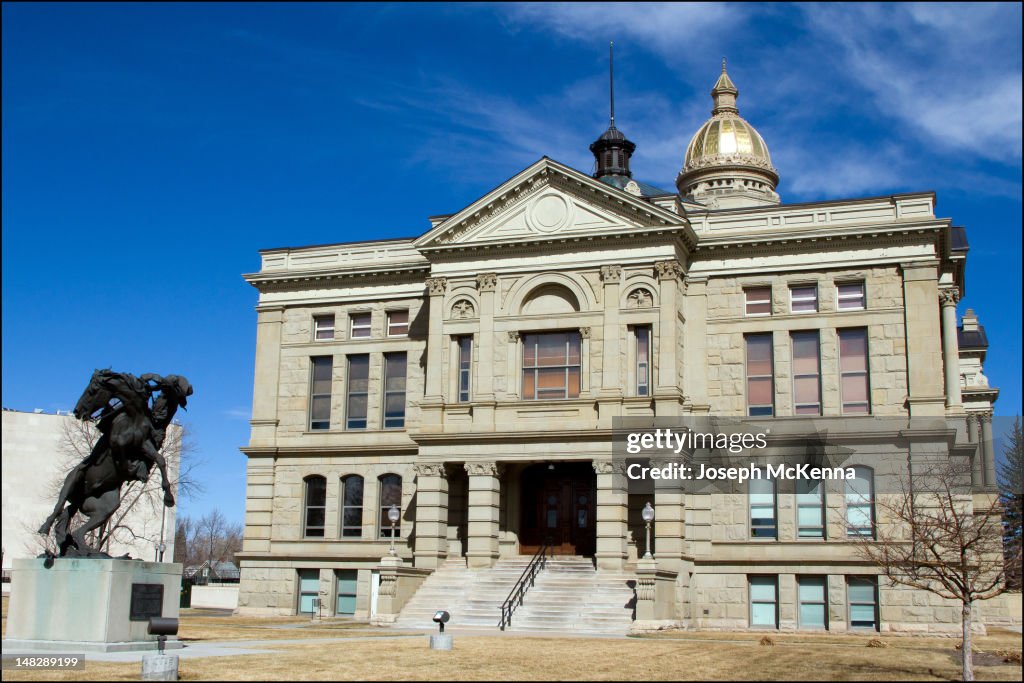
x=237, y=413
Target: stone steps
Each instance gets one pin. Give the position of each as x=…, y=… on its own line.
x=569, y=596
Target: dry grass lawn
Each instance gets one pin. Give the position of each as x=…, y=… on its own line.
x=661, y=656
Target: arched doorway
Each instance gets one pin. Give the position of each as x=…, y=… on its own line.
x=558, y=503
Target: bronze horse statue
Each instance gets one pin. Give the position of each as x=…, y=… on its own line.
x=131, y=434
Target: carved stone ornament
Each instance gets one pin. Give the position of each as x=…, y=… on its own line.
x=513, y=336
x=668, y=270
x=486, y=282
x=463, y=308
x=632, y=188
x=387, y=584
x=640, y=298
x=585, y=332
x=490, y=468
x=611, y=275
x=949, y=296
x=608, y=467
x=429, y=469
x=985, y=418
x=436, y=285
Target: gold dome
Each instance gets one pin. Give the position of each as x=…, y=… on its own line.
x=727, y=140
x=727, y=161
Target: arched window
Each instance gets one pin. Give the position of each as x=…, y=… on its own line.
x=860, y=503
x=390, y=494
x=352, y=506
x=315, y=507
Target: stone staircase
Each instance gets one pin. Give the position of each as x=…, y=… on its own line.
x=569, y=596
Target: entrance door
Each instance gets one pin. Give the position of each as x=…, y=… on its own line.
x=558, y=505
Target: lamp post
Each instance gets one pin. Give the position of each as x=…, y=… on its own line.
x=648, y=515
x=393, y=517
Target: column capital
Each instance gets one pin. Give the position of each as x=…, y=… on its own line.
x=513, y=336
x=611, y=275
x=949, y=296
x=608, y=467
x=487, y=282
x=585, y=332
x=985, y=417
x=486, y=468
x=668, y=270
x=437, y=285
x=429, y=469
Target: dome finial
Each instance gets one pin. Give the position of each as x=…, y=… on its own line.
x=723, y=64
x=724, y=93
x=612, y=150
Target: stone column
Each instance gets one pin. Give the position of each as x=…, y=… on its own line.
x=431, y=515
x=923, y=334
x=483, y=413
x=695, y=362
x=612, y=515
x=950, y=348
x=669, y=521
x=269, y=322
x=988, y=450
x=974, y=436
x=512, y=362
x=484, y=508
x=435, y=342
x=611, y=383
x=667, y=391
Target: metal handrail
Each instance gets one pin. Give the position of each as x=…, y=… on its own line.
x=515, y=596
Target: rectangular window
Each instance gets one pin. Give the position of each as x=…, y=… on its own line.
x=394, y=390
x=551, y=365
x=812, y=594
x=309, y=590
x=346, y=579
x=762, y=509
x=360, y=325
x=316, y=507
x=643, y=361
x=358, y=390
x=810, y=508
x=862, y=597
x=860, y=503
x=465, y=367
x=398, y=323
x=764, y=601
x=320, y=392
x=850, y=296
x=803, y=299
x=806, y=373
x=760, y=375
x=758, y=300
x=323, y=327
x=853, y=371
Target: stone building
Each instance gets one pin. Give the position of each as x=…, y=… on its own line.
x=472, y=377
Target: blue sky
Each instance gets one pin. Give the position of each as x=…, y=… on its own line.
x=150, y=150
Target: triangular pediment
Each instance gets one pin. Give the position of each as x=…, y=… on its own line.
x=547, y=200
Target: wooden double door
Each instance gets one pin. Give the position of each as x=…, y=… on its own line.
x=559, y=505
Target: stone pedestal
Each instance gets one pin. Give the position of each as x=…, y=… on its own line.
x=160, y=667
x=441, y=641
x=86, y=605
x=655, y=597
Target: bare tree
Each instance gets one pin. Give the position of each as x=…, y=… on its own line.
x=211, y=538
x=1011, y=485
x=935, y=535
x=141, y=511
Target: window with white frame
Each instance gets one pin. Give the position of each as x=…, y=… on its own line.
x=352, y=506
x=465, y=350
x=320, y=392
x=812, y=594
x=803, y=299
x=763, y=509
x=360, y=325
x=394, y=390
x=850, y=296
x=323, y=327
x=854, y=385
x=316, y=507
x=643, y=360
x=764, y=601
x=551, y=365
x=810, y=508
x=862, y=601
x=806, y=373
x=758, y=300
x=860, y=503
x=398, y=323
x=760, y=375
x=358, y=386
